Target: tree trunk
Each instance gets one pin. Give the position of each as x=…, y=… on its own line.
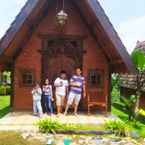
x=137, y=102
x=138, y=92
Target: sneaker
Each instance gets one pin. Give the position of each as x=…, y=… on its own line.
x=34, y=114
x=40, y=115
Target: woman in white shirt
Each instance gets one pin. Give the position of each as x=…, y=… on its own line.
x=61, y=88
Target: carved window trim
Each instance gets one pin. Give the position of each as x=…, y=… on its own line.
x=98, y=76
x=57, y=45
x=29, y=74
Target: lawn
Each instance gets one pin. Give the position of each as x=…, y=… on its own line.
x=13, y=138
x=4, y=105
x=133, y=125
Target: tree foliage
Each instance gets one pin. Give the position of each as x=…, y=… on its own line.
x=138, y=57
x=127, y=105
x=115, y=86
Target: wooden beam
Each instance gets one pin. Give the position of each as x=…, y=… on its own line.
x=61, y=36
x=116, y=62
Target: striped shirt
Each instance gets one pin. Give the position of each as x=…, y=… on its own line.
x=79, y=81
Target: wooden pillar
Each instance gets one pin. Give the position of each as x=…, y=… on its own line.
x=12, y=86
x=109, y=92
x=0, y=76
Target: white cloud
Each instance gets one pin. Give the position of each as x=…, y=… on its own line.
x=19, y=2
x=132, y=30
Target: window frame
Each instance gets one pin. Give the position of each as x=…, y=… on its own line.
x=22, y=73
x=99, y=72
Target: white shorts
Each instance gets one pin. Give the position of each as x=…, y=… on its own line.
x=59, y=100
x=73, y=97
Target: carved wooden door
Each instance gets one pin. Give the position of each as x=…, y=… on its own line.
x=60, y=54
x=55, y=65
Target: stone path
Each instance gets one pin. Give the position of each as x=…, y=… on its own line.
x=24, y=121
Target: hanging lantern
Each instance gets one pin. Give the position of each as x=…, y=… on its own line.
x=61, y=18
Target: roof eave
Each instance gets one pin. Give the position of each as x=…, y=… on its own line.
x=112, y=34
x=16, y=24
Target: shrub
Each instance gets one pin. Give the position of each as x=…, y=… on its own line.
x=2, y=92
x=141, y=112
x=117, y=127
x=127, y=104
x=8, y=90
x=141, y=116
x=5, y=90
x=49, y=125
x=115, y=86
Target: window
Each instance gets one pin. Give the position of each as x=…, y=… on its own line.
x=95, y=78
x=27, y=78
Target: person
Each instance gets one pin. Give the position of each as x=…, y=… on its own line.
x=77, y=88
x=36, y=93
x=61, y=88
x=48, y=97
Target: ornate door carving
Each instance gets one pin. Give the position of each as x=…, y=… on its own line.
x=60, y=54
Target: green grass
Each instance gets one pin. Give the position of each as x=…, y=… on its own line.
x=13, y=138
x=132, y=125
x=4, y=105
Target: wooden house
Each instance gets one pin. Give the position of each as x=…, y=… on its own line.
x=37, y=45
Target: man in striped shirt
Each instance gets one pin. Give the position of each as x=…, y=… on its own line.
x=77, y=89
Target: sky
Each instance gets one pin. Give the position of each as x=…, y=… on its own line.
x=127, y=17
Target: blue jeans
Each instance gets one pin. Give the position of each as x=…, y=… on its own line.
x=37, y=107
x=48, y=104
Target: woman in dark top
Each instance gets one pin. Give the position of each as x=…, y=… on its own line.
x=48, y=96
